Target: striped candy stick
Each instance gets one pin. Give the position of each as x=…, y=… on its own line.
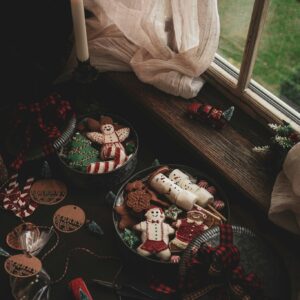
x=120, y=158
x=25, y=197
x=26, y=205
x=28, y=211
x=12, y=194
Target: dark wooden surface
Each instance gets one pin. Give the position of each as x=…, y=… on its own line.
x=228, y=151
x=156, y=142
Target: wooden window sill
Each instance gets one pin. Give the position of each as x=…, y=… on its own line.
x=228, y=151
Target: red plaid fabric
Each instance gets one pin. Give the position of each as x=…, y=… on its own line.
x=40, y=123
x=217, y=271
x=162, y=287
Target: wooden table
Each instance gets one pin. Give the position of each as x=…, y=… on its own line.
x=156, y=143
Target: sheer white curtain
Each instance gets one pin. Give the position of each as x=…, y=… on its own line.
x=166, y=43
x=285, y=201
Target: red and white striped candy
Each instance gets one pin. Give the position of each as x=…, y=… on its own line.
x=12, y=194
x=212, y=190
x=218, y=204
x=19, y=203
x=28, y=211
x=203, y=184
x=25, y=197
x=120, y=158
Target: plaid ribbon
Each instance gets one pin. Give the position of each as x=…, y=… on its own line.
x=40, y=123
x=218, y=271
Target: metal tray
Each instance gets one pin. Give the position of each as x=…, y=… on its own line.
x=128, y=252
x=256, y=256
x=105, y=180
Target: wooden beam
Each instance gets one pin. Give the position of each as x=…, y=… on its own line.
x=259, y=15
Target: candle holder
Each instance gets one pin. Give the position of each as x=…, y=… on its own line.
x=85, y=73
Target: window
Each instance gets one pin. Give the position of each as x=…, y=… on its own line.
x=277, y=65
x=258, y=57
x=233, y=37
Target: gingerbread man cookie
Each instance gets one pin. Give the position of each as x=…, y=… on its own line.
x=155, y=234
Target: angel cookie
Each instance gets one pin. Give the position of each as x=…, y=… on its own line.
x=110, y=140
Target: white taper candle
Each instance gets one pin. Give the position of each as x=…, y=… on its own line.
x=82, y=50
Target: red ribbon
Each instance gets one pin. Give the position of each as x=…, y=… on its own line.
x=40, y=123
x=218, y=270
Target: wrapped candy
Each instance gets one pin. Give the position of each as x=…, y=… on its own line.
x=204, y=197
x=130, y=238
x=172, y=212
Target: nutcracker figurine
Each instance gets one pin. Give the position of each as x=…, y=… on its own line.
x=206, y=113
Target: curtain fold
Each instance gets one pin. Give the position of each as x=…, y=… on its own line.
x=166, y=43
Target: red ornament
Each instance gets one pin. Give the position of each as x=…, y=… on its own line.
x=212, y=190
x=79, y=289
x=203, y=184
x=206, y=113
x=218, y=204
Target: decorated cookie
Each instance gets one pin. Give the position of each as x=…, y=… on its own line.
x=81, y=153
x=138, y=198
x=110, y=140
x=126, y=220
x=155, y=234
x=188, y=228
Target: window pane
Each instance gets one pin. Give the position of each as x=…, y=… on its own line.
x=277, y=67
x=235, y=18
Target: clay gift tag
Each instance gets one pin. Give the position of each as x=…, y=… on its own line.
x=69, y=218
x=22, y=265
x=13, y=237
x=48, y=191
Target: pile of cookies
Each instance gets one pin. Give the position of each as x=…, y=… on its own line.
x=99, y=146
x=161, y=214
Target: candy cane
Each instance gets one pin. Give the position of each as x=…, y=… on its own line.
x=28, y=211
x=19, y=203
x=12, y=194
x=25, y=197
x=107, y=166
